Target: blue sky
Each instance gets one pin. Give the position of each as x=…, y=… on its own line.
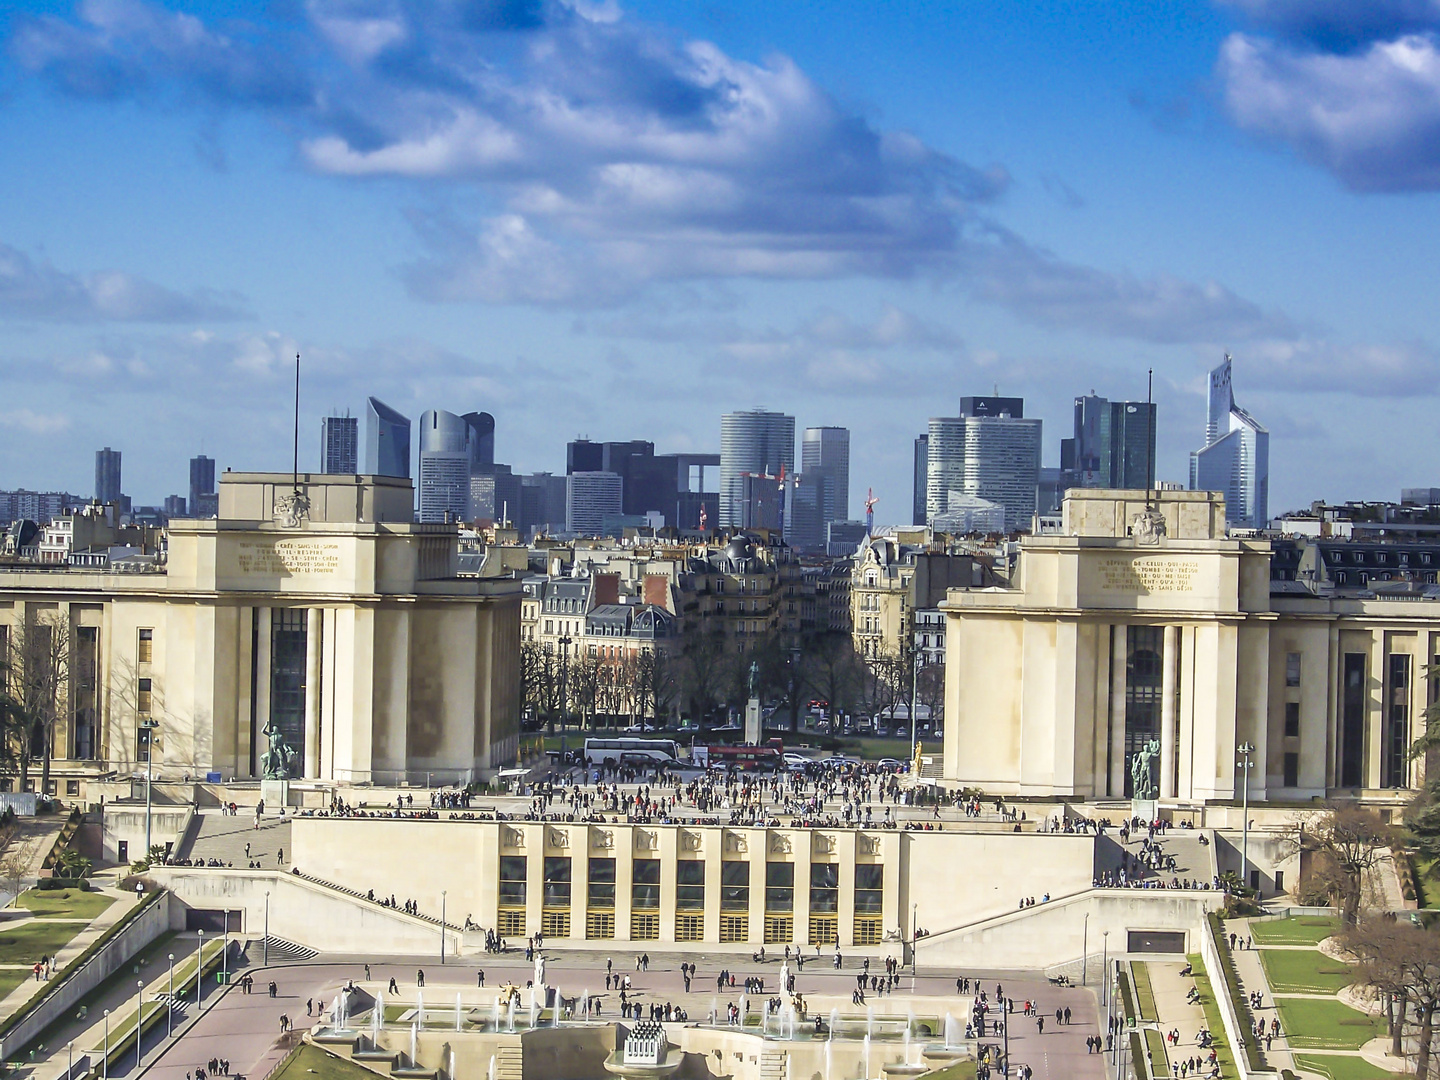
x=622, y=220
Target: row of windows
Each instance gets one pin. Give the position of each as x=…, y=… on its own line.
x=601, y=885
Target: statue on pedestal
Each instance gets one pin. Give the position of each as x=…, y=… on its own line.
x=754, y=679
x=275, y=762
x=1142, y=769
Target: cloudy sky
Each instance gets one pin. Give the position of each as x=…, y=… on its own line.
x=621, y=220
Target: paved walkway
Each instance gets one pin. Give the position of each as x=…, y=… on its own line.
x=1173, y=1011
x=220, y=836
x=1194, y=861
x=1252, y=977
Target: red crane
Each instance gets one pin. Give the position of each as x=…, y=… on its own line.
x=870, y=501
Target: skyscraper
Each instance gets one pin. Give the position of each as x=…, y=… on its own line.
x=482, y=439
x=1235, y=459
x=107, y=475
x=446, y=452
x=990, y=451
x=387, y=440
x=202, y=487
x=918, y=514
x=755, y=442
x=589, y=497
x=340, y=445
x=1113, y=446
x=825, y=456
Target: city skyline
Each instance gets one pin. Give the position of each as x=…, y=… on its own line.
x=1145, y=201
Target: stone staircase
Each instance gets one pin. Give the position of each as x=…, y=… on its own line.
x=358, y=895
x=281, y=949
x=773, y=1064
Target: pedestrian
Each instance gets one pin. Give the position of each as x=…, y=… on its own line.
x=1040, y=1025
x=1067, y=1014
x=279, y=856
x=367, y=972
x=419, y=978
x=247, y=850
x=480, y=977
x=393, y=988
x=309, y=1003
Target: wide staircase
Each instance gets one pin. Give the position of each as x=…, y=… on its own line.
x=213, y=835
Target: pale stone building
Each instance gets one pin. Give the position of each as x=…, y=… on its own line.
x=346, y=628
x=1144, y=624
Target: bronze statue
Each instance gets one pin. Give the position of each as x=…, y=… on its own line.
x=275, y=762
x=754, y=678
x=1142, y=779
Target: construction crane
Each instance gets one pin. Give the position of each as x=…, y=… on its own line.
x=870, y=501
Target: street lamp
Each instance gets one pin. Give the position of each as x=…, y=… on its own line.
x=267, y=926
x=139, y=1016
x=70, y=1072
x=225, y=951
x=914, y=941
x=199, y=963
x=148, y=725
x=914, y=696
x=564, y=689
x=1245, y=750
x=1085, y=951
x=105, y=1052
x=442, y=927
x=1105, y=968
x=170, y=1019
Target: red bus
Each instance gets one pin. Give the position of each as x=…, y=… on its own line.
x=765, y=758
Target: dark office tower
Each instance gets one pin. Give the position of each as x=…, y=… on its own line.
x=482, y=439
x=1011, y=407
x=387, y=441
x=340, y=445
x=1113, y=446
x=825, y=457
x=202, y=484
x=582, y=455
x=107, y=475
x=922, y=467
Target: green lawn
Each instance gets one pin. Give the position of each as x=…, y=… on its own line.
x=65, y=903
x=1301, y=930
x=1155, y=1044
x=1326, y=1024
x=312, y=1061
x=961, y=1070
x=26, y=943
x=1342, y=1067
x=1291, y=971
x=11, y=978
x=1144, y=995
x=1213, y=1020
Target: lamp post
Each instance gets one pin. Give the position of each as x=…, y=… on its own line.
x=148, y=725
x=442, y=927
x=105, y=1051
x=267, y=926
x=1085, y=951
x=199, y=963
x=139, y=1017
x=170, y=1019
x=914, y=941
x=70, y=1048
x=914, y=696
x=1105, y=968
x=1245, y=750
x=564, y=689
x=225, y=951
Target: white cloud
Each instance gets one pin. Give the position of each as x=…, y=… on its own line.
x=34, y=423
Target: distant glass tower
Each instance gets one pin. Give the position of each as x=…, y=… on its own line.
x=387, y=441
x=991, y=451
x=1235, y=459
x=751, y=442
x=825, y=454
x=922, y=468
x=202, y=485
x=107, y=475
x=340, y=445
x=446, y=453
x=1114, y=444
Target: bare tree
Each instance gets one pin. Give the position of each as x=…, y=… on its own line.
x=1401, y=961
x=15, y=864
x=35, y=692
x=706, y=665
x=1352, y=841
x=931, y=683
x=584, y=682
x=836, y=671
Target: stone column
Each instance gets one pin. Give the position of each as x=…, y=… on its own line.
x=312, y=692
x=1167, y=715
x=262, y=683
x=1118, y=646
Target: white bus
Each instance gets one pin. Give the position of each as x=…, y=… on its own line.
x=613, y=751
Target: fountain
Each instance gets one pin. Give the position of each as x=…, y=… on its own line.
x=452, y=1061
x=787, y=1019
x=377, y=1018
x=953, y=1032
x=744, y=1009
x=420, y=1007
x=510, y=1015
x=865, y=1060
x=714, y=1011
x=457, y=1011
x=495, y=1014
x=834, y=1021
x=490, y=1075
x=414, y=1041
x=828, y=1056
x=584, y=1006
x=533, y=1008
x=906, y=1059
x=869, y=1025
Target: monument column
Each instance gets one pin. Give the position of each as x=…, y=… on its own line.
x=312, y=692
x=1166, y=787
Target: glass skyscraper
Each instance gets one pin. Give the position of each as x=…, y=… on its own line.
x=387, y=440
x=757, y=442
x=1235, y=459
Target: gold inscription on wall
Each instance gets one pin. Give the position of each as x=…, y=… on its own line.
x=288, y=558
x=1148, y=575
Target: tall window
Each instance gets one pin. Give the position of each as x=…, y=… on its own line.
x=512, y=880
x=83, y=691
x=690, y=885
x=602, y=883
x=779, y=886
x=145, y=645
x=287, y=674
x=824, y=887
x=1144, y=665
x=557, y=881
x=1397, y=717
x=869, y=888
x=144, y=697
x=1352, y=720
x=645, y=884
x=734, y=886
x=1292, y=719
x=1292, y=669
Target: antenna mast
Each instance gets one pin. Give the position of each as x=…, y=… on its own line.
x=1149, y=435
x=295, y=462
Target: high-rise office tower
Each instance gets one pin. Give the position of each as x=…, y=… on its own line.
x=340, y=445
x=107, y=475
x=387, y=440
x=825, y=456
x=990, y=451
x=757, y=442
x=589, y=497
x=1113, y=445
x=542, y=503
x=445, y=457
x=1235, y=459
x=482, y=439
x=202, y=486
x=918, y=514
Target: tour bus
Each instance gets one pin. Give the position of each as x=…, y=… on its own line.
x=765, y=758
x=659, y=751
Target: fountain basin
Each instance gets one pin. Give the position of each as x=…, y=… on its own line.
x=615, y=1065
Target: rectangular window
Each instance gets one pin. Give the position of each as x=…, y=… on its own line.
x=867, y=929
x=645, y=884
x=288, y=650
x=599, y=925
x=644, y=926
x=510, y=923
x=734, y=928
x=513, y=874
x=779, y=929
x=690, y=886
x=824, y=887
x=1292, y=770
x=5, y=661
x=779, y=886
x=555, y=923
x=557, y=882
x=824, y=929
x=1397, y=718
x=1144, y=663
x=144, y=697
x=142, y=744
x=1352, y=720
x=690, y=927
x=1292, y=669
x=735, y=887
x=144, y=647
x=869, y=888
x=602, y=884
x=1292, y=719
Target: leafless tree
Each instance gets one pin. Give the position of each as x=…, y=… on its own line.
x=1402, y=962
x=1348, y=841
x=35, y=691
x=15, y=865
